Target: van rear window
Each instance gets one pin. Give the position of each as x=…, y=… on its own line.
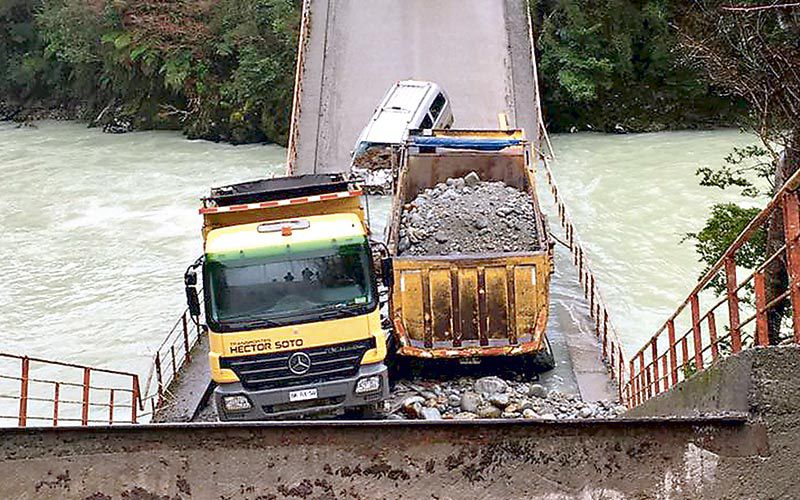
x=438, y=106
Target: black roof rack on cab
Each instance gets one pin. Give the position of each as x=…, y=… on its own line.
x=277, y=188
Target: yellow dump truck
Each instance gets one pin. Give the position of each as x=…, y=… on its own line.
x=291, y=299
x=469, y=306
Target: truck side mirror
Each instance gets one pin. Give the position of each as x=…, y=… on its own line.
x=192, y=301
x=387, y=272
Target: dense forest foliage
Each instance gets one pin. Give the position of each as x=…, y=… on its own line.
x=223, y=69
x=218, y=69
x=615, y=65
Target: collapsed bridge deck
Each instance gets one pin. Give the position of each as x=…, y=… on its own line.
x=480, y=52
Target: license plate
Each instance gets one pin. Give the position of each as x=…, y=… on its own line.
x=303, y=395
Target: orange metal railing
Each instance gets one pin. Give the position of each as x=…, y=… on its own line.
x=694, y=337
x=607, y=334
x=174, y=352
x=45, y=392
x=52, y=393
x=302, y=46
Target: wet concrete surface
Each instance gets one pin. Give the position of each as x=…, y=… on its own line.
x=188, y=393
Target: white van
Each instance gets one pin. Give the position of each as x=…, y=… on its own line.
x=408, y=105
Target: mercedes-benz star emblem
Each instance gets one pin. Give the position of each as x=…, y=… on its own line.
x=299, y=363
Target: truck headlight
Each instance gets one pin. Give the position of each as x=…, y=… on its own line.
x=368, y=384
x=236, y=403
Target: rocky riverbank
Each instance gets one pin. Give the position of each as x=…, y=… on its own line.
x=467, y=215
x=469, y=398
x=28, y=114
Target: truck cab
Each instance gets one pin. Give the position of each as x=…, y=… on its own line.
x=291, y=300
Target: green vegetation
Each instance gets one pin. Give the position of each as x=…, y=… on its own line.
x=606, y=64
x=750, y=50
x=217, y=69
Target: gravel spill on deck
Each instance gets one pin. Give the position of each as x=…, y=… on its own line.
x=469, y=398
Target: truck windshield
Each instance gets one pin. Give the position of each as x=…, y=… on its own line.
x=276, y=290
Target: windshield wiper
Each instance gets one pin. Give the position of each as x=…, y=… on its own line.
x=339, y=310
x=248, y=320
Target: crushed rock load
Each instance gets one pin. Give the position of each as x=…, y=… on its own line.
x=466, y=215
x=491, y=397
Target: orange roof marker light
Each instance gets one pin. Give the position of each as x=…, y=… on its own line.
x=286, y=230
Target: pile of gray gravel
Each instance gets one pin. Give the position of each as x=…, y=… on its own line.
x=469, y=398
x=465, y=216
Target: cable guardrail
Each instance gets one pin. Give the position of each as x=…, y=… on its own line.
x=612, y=348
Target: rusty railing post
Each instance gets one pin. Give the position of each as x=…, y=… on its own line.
x=23, y=392
x=712, y=333
x=174, y=362
x=620, y=376
x=56, y=392
x=698, y=338
x=645, y=375
x=632, y=384
x=673, y=353
x=733, y=304
x=762, y=326
x=685, y=352
x=134, y=398
x=654, y=354
x=791, y=225
x=186, y=337
x=111, y=407
x=159, y=378
x=87, y=377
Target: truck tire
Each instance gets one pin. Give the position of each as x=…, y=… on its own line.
x=543, y=360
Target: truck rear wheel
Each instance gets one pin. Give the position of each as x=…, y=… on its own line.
x=543, y=360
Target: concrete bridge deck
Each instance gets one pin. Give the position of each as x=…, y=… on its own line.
x=480, y=52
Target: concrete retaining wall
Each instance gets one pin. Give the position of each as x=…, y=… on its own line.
x=764, y=383
x=601, y=460
x=661, y=458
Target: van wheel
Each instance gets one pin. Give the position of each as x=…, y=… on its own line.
x=543, y=360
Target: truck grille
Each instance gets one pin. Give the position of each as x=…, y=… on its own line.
x=267, y=371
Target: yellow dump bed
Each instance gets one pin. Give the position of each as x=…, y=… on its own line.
x=470, y=305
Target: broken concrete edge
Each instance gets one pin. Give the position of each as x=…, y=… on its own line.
x=729, y=385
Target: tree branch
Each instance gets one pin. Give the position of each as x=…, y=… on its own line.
x=759, y=8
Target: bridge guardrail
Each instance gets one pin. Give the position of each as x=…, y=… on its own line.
x=48, y=392
x=613, y=350
x=174, y=352
x=694, y=338
x=302, y=46
x=75, y=395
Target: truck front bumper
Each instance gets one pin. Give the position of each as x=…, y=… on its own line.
x=332, y=397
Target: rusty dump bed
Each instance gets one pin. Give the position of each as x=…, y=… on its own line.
x=469, y=305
